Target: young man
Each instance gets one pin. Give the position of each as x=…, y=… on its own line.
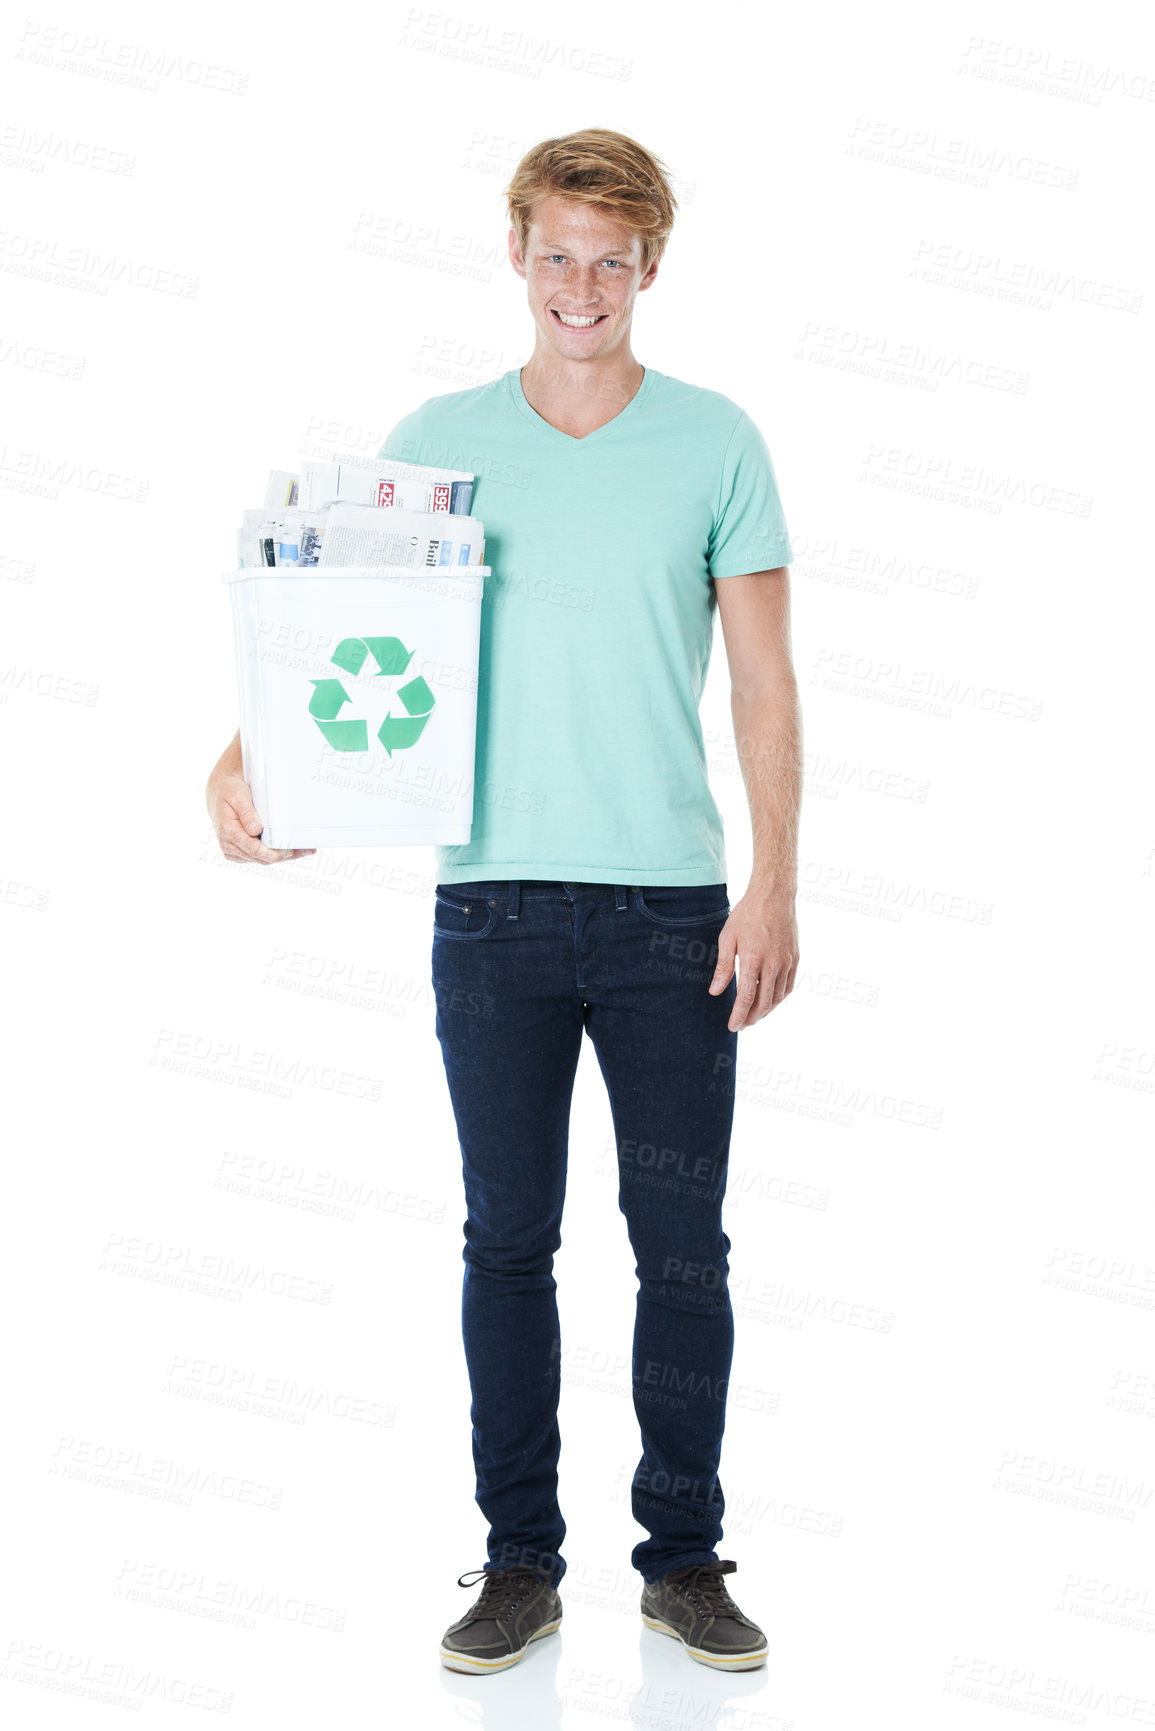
x=620, y=507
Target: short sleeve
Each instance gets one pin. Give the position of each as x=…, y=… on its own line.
x=749, y=529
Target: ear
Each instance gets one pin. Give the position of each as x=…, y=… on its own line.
x=515, y=255
x=650, y=274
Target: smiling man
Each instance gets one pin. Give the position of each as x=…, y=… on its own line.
x=621, y=506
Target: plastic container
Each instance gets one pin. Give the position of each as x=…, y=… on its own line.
x=358, y=700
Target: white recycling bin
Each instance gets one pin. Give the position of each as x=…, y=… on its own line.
x=358, y=699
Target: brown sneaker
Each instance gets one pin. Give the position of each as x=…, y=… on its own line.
x=516, y=1606
x=694, y=1607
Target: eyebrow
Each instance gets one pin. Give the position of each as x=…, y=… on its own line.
x=614, y=252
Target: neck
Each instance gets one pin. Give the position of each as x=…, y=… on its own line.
x=581, y=394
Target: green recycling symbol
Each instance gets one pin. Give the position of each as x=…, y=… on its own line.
x=396, y=732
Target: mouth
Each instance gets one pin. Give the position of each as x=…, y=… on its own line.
x=577, y=321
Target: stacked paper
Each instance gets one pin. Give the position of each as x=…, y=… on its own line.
x=367, y=512
x=403, y=486
x=365, y=535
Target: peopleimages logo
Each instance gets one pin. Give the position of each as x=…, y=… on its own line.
x=396, y=732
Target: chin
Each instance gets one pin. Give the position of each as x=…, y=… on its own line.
x=576, y=348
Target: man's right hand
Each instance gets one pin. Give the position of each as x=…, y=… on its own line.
x=235, y=820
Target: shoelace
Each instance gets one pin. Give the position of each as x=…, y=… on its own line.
x=503, y=1589
x=703, y=1585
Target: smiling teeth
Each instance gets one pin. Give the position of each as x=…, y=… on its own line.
x=572, y=319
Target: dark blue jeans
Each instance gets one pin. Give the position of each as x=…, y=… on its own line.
x=520, y=970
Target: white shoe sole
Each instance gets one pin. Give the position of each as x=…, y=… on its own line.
x=743, y=1662
x=454, y=1661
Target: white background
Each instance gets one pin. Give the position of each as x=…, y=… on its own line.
x=914, y=244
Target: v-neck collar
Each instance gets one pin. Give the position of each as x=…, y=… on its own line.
x=555, y=433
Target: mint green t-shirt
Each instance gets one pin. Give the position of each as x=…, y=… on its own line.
x=597, y=623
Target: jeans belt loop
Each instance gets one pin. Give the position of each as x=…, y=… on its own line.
x=620, y=899
x=514, y=908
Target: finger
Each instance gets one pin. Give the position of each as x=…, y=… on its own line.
x=745, y=995
x=767, y=984
x=727, y=950
x=760, y=1002
x=249, y=828
x=248, y=848
x=246, y=812
x=272, y=855
x=786, y=978
x=230, y=840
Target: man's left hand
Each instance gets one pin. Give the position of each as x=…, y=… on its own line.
x=761, y=935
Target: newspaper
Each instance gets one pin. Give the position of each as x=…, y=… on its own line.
x=385, y=482
x=281, y=490
x=402, y=513
x=284, y=537
x=365, y=535
x=248, y=540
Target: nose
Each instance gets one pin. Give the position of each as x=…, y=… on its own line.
x=583, y=286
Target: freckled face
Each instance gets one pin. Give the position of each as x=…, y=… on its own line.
x=583, y=273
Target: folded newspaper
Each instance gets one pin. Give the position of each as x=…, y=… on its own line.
x=404, y=486
x=363, y=512
x=365, y=535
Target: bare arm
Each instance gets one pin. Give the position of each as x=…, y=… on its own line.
x=761, y=932
x=235, y=819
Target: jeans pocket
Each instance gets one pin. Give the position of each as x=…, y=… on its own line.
x=683, y=904
x=462, y=915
